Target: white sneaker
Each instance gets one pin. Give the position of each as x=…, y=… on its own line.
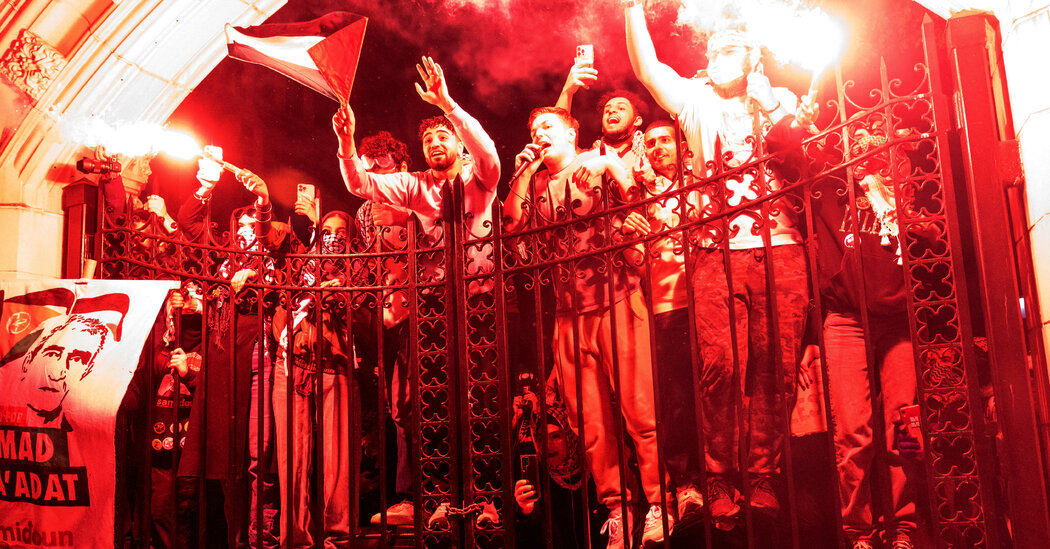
x=654, y=525
x=614, y=528
x=399, y=514
x=690, y=502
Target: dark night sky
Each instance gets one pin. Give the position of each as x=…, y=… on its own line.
x=500, y=62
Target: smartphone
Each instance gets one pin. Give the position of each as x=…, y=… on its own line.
x=211, y=165
x=530, y=470
x=585, y=54
x=213, y=152
x=306, y=191
x=912, y=422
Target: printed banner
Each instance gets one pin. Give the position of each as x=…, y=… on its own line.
x=68, y=350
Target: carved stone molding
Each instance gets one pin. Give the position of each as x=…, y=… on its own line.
x=31, y=64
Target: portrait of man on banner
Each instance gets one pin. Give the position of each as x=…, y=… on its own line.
x=55, y=365
x=68, y=350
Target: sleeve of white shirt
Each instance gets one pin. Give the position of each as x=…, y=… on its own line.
x=394, y=188
x=480, y=146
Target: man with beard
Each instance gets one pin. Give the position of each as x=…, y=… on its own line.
x=722, y=113
x=444, y=139
x=658, y=176
x=430, y=196
x=623, y=113
x=585, y=307
x=297, y=370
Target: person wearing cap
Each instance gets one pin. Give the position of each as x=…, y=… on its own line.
x=722, y=113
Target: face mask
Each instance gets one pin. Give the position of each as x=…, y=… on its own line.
x=333, y=243
x=722, y=72
x=246, y=236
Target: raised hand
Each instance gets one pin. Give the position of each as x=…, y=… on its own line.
x=581, y=75
x=526, y=496
x=761, y=91
x=306, y=206
x=807, y=112
x=344, y=122
x=254, y=184
x=436, y=92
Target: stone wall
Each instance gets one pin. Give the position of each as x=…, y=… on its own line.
x=121, y=62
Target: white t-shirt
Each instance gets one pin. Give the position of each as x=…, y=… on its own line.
x=712, y=124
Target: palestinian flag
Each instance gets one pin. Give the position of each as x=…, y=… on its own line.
x=21, y=315
x=321, y=54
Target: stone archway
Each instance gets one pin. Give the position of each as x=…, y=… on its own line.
x=120, y=61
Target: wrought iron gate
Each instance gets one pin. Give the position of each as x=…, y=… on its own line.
x=474, y=325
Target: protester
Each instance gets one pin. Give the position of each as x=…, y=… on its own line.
x=583, y=306
x=623, y=113
x=429, y=194
x=238, y=339
x=719, y=113
x=664, y=210
x=175, y=364
x=298, y=369
x=860, y=276
x=554, y=453
x=383, y=228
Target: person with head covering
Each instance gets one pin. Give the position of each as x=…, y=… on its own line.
x=563, y=466
x=230, y=413
x=298, y=370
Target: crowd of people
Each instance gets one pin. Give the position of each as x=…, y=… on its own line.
x=681, y=325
